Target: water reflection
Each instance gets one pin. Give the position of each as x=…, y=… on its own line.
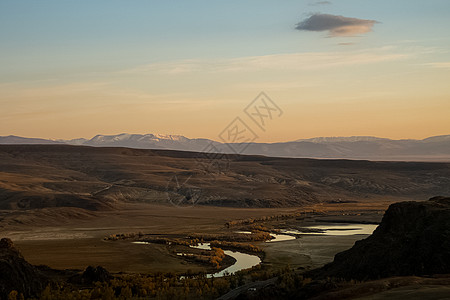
x=336, y=229
x=280, y=237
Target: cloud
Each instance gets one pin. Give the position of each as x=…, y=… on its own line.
x=439, y=65
x=274, y=62
x=336, y=25
x=317, y=3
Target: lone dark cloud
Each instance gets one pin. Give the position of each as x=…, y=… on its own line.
x=336, y=25
x=317, y=3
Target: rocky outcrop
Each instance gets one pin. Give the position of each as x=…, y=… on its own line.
x=95, y=274
x=412, y=239
x=17, y=274
x=90, y=276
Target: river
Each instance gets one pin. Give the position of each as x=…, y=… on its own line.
x=243, y=261
x=247, y=261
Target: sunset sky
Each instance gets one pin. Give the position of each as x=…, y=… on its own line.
x=74, y=69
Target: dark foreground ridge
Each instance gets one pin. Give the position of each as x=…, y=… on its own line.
x=412, y=239
x=20, y=277
x=17, y=274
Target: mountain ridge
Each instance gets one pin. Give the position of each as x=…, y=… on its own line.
x=435, y=148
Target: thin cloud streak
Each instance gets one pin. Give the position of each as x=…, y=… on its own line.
x=290, y=61
x=439, y=65
x=318, y=3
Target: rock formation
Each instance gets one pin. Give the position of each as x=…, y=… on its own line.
x=17, y=274
x=412, y=239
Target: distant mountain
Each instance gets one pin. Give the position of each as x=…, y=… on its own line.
x=435, y=148
x=335, y=139
x=370, y=148
x=148, y=141
x=136, y=140
x=12, y=139
x=79, y=141
x=439, y=138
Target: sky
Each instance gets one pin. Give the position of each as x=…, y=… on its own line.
x=73, y=69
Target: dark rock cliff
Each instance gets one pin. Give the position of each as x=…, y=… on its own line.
x=17, y=274
x=412, y=239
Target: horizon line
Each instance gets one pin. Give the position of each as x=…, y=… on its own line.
x=203, y=138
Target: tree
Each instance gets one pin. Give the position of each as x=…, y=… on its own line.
x=126, y=293
x=12, y=295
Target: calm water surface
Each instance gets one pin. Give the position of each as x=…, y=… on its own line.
x=337, y=229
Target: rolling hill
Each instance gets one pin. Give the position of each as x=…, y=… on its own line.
x=39, y=176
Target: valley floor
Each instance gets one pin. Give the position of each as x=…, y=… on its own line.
x=75, y=243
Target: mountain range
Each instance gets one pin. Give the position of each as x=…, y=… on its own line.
x=436, y=148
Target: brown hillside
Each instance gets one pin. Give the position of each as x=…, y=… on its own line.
x=38, y=176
